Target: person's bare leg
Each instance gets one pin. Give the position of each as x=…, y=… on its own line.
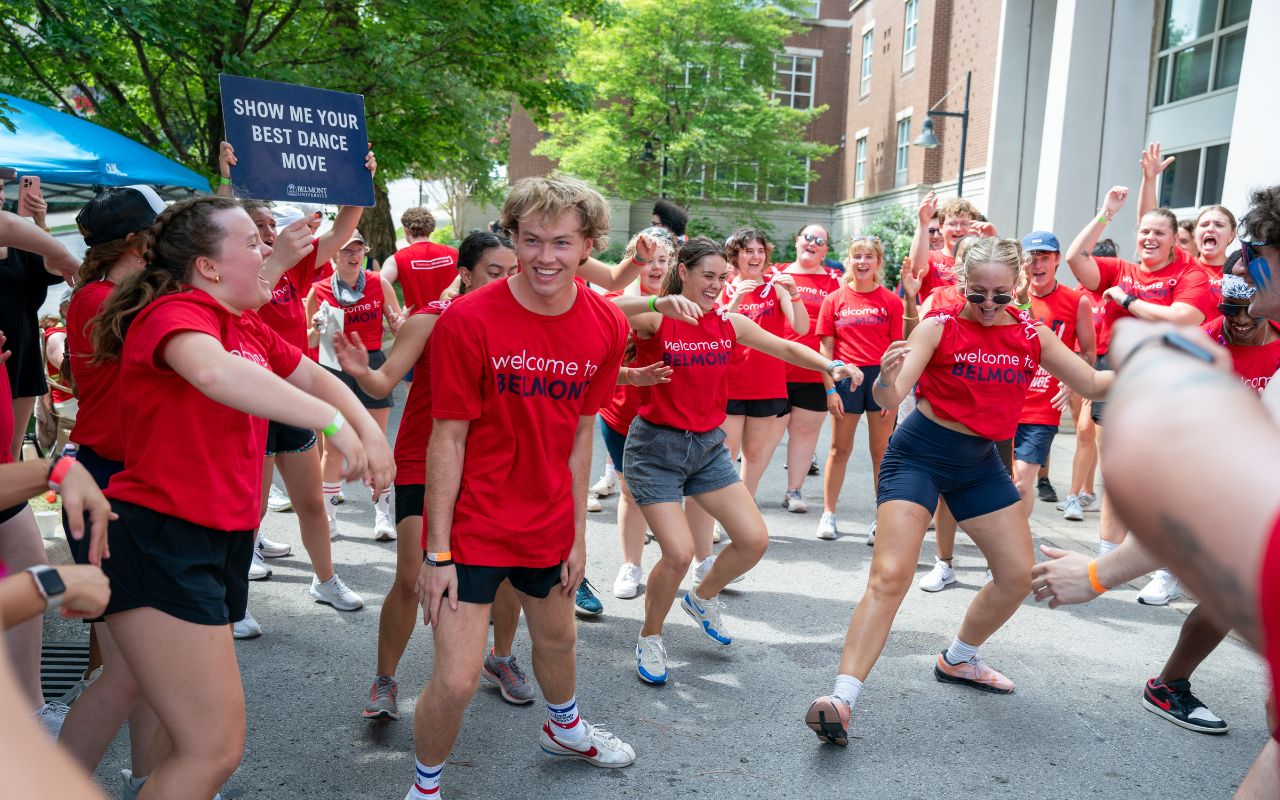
x=671, y=529
x=1199, y=637
x=23, y=408
x=945, y=532
x=1085, y=461
x=747, y=533
x=193, y=683
x=1262, y=782
x=302, y=477
x=631, y=524
x=554, y=636
x=880, y=428
x=760, y=439
x=21, y=547
x=459, y=654
x=802, y=439
x=399, y=612
x=1005, y=541
x=702, y=528
x=1024, y=478
x=901, y=525
x=843, y=430
x=506, y=616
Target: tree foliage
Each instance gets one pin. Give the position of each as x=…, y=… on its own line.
x=438, y=77
x=694, y=79
x=894, y=226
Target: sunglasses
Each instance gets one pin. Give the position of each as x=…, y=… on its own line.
x=978, y=298
x=818, y=240
x=935, y=231
x=1255, y=263
x=1230, y=310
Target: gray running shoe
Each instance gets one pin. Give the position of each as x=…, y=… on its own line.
x=506, y=674
x=382, y=699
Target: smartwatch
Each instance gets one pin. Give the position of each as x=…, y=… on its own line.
x=1175, y=341
x=49, y=584
x=1128, y=301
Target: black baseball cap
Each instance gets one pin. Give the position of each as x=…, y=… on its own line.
x=118, y=212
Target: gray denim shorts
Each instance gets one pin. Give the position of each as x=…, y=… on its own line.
x=665, y=465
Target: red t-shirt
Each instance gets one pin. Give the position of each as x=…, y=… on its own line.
x=189, y=456
x=57, y=395
x=363, y=316
x=424, y=270
x=863, y=323
x=1269, y=602
x=523, y=380
x=1254, y=365
x=98, y=419
x=940, y=272
x=754, y=375
x=1213, y=274
x=1179, y=282
x=1058, y=310
x=415, y=424
x=813, y=289
x=698, y=393
x=978, y=376
x=620, y=409
x=286, y=314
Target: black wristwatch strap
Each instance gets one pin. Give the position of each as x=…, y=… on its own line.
x=1175, y=341
x=1128, y=301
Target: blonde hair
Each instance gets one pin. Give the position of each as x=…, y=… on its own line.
x=865, y=243
x=550, y=196
x=957, y=207
x=990, y=250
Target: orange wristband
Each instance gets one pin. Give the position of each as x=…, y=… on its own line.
x=1093, y=578
x=447, y=555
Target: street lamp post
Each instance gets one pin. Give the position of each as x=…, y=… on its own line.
x=927, y=140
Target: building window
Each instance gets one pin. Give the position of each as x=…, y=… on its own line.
x=868, y=44
x=795, y=81
x=911, y=17
x=904, y=142
x=860, y=167
x=736, y=182
x=1194, y=178
x=796, y=194
x=1201, y=47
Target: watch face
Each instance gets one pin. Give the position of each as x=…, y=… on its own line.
x=52, y=582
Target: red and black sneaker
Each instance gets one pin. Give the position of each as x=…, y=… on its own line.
x=1175, y=702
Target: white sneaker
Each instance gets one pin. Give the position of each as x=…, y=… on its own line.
x=940, y=577
x=258, y=569
x=1062, y=504
x=129, y=787
x=278, y=499
x=384, y=530
x=607, y=485
x=51, y=715
x=1072, y=509
x=1090, y=502
x=333, y=527
x=335, y=593
x=717, y=533
x=827, y=528
x=270, y=549
x=247, y=628
x=701, y=568
x=627, y=585
x=593, y=503
x=794, y=503
x=706, y=613
x=651, y=659
x=986, y=578
x=871, y=534
x=598, y=747
x=1162, y=589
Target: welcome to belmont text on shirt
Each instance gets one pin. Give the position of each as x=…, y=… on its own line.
x=537, y=376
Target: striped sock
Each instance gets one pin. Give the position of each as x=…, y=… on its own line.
x=330, y=496
x=566, y=722
x=426, y=782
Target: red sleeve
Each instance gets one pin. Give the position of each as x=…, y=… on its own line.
x=283, y=357
x=1108, y=272
x=896, y=310
x=827, y=315
x=1193, y=289
x=150, y=334
x=605, y=382
x=457, y=370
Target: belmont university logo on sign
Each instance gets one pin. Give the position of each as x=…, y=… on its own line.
x=526, y=375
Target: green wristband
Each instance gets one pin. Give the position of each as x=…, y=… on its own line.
x=1104, y=219
x=335, y=426
x=222, y=181
x=653, y=302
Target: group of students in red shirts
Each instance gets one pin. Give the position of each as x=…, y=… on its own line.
x=192, y=318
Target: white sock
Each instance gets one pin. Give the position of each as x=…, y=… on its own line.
x=330, y=491
x=1105, y=547
x=847, y=689
x=959, y=652
x=610, y=473
x=384, y=501
x=426, y=782
x=565, y=721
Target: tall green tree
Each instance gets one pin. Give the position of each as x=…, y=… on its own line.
x=684, y=104
x=434, y=75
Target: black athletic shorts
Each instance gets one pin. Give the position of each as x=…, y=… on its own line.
x=188, y=571
x=410, y=500
x=9, y=513
x=809, y=396
x=777, y=407
x=480, y=584
x=101, y=469
x=283, y=438
x=1098, y=406
x=376, y=359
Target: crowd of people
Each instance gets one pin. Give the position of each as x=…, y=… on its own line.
x=234, y=321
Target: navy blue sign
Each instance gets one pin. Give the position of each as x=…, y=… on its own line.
x=296, y=143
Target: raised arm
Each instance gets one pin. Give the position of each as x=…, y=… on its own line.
x=757, y=338
x=1085, y=334
x=645, y=314
x=328, y=245
x=1080, y=253
x=20, y=234
x=1152, y=166
x=903, y=363
x=920, y=241
x=615, y=279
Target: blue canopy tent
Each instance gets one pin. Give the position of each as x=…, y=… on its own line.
x=74, y=157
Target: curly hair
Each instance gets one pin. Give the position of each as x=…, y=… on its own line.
x=739, y=239
x=1262, y=220
x=418, y=222
x=548, y=197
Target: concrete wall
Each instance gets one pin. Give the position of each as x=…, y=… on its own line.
x=1252, y=161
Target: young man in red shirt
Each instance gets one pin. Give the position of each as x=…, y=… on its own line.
x=532, y=356
x=423, y=268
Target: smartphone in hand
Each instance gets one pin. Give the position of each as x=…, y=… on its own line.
x=29, y=186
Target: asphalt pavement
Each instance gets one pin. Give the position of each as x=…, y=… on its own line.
x=729, y=724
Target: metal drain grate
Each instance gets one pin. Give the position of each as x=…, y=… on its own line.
x=61, y=665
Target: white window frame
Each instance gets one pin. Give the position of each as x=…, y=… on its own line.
x=1214, y=38
x=902, y=151
x=1203, y=150
x=868, y=49
x=787, y=67
x=742, y=181
x=910, y=27
x=860, y=162
x=803, y=189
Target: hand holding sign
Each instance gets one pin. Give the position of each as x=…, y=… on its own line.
x=291, y=142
